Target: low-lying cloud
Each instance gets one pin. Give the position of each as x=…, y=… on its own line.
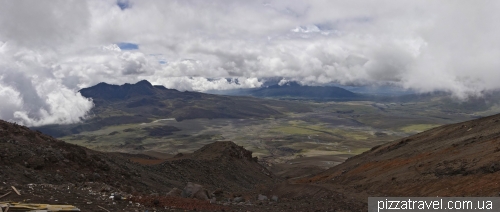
x=51, y=49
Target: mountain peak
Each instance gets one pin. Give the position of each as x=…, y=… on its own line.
x=223, y=149
x=144, y=82
x=110, y=92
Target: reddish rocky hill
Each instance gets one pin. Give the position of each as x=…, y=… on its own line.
x=221, y=164
x=47, y=170
x=28, y=156
x=454, y=160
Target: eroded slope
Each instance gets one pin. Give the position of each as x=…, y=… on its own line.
x=453, y=160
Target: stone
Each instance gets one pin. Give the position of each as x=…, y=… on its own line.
x=195, y=191
x=274, y=198
x=213, y=200
x=96, y=176
x=238, y=199
x=175, y=192
x=262, y=197
x=217, y=192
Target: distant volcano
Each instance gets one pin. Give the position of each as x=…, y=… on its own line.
x=142, y=102
x=120, y=92
x=296, y=90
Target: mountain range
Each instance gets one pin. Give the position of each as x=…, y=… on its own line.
x=296, y=90
x=142, y=102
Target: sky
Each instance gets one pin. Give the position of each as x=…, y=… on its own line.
x=51, y=49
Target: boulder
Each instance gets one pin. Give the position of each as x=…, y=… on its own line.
x=238, y=199
x=213, y=200
x=175, y=192
x=262, y=197
x=201, y=194
x=218, y=192
x=195, y=191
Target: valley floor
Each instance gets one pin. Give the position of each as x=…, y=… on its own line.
x=291, y=146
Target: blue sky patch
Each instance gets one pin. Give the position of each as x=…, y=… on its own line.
x=128, y=46
x=123, y=4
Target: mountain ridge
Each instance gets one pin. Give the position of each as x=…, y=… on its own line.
x=294, y=90
x=105, y=91
x=452, y=160
x=142, y=103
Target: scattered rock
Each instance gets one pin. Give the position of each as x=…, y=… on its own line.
x=105, y=189
x=274, y=198
x=262, y=197
x=218, y=192
x=96, y=176
x=195, y=191
x=213, y=200
x=238, y=199
x=175, y=192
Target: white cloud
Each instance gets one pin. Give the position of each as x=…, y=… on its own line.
x=204, y=84
x=31, y=92
x=423, y=45
x=10, y=102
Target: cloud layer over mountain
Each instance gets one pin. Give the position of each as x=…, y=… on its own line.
x=51, y=49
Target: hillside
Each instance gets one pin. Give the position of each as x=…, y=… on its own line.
x=151, y=101
x=143, y=102
x=453, y=160
x=45, y=169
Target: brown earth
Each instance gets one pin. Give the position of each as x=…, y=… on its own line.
x=454, y=160
x=51, y=169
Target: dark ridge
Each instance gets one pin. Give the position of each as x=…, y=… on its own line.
x=220, y=164
x=142, y=103
x=106, y=91
x=295, y=90
x=223, y=149
x=160, y=87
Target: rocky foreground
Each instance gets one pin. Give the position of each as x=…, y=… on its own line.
x=218, y=177
x=454, y=160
